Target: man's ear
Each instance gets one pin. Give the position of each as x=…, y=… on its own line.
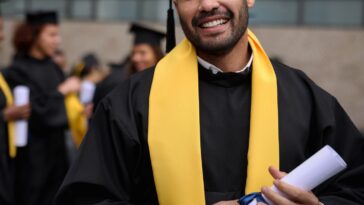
x=250, y=3
x=175, y=2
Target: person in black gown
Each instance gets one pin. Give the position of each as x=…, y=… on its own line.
x=115, y=164
x=42, y=164
x=7, y=113
x=146, y=52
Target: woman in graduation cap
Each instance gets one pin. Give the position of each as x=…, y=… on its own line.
x=146, y=51
x=42, y=164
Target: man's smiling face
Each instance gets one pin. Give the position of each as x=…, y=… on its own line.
x=214, y=26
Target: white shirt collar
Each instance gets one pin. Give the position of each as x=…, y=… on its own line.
x=216, y=70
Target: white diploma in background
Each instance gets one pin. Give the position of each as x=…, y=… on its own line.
x=318, y=168
x=87, y=92
x=21, y=97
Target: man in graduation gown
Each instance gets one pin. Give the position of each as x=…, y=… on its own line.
x=204, y=125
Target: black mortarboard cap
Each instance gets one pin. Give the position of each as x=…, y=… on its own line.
x=171, y=33
x=146, y=35
x=42, y=17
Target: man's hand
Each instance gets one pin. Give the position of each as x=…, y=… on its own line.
x=16, y=112
x=294, y=195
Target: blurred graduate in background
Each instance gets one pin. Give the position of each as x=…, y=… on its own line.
x=8, y=114
x=42, y=164
x=89, y=71
x=145, y=53
x=88, y=68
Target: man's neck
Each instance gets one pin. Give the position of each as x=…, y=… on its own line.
x=36, y=53
x=232, y=61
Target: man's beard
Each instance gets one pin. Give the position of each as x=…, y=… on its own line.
x=222, y=46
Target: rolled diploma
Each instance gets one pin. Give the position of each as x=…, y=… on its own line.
x=87, y=91
x=321, y=166
x=21, y=97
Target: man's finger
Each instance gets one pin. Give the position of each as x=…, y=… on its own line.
x=276, y=174
x=275, y=198
x=296, y=194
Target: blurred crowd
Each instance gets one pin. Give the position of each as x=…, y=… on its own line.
x=61, y=103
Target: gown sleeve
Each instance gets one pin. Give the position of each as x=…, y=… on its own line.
x=348, y=187
x=49, y=109
x=101, y=175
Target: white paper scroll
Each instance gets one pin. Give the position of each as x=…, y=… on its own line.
x=21, y=97
x=318, y=168
x=87, y=92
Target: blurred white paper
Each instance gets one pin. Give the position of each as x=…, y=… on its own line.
x=87, y=92
x=318, y=168
x=21, y=97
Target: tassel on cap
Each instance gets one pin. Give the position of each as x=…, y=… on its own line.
x=171, y=33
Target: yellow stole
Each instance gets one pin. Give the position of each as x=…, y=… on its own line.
x=174, y=126
x=11, y=125
x=77, y=120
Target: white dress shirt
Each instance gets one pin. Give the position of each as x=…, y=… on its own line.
x=216, y=70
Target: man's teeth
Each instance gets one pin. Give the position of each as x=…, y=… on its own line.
x=214, y=23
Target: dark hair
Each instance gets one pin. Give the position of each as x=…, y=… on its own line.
x=158, y=53
x=25, y=36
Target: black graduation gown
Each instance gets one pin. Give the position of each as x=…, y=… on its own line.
x=104, y=87
x=114, y=168
x=42, y=164
x=117, y=75
x=6, y=163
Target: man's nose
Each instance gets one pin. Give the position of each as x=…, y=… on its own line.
x=208, y=5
